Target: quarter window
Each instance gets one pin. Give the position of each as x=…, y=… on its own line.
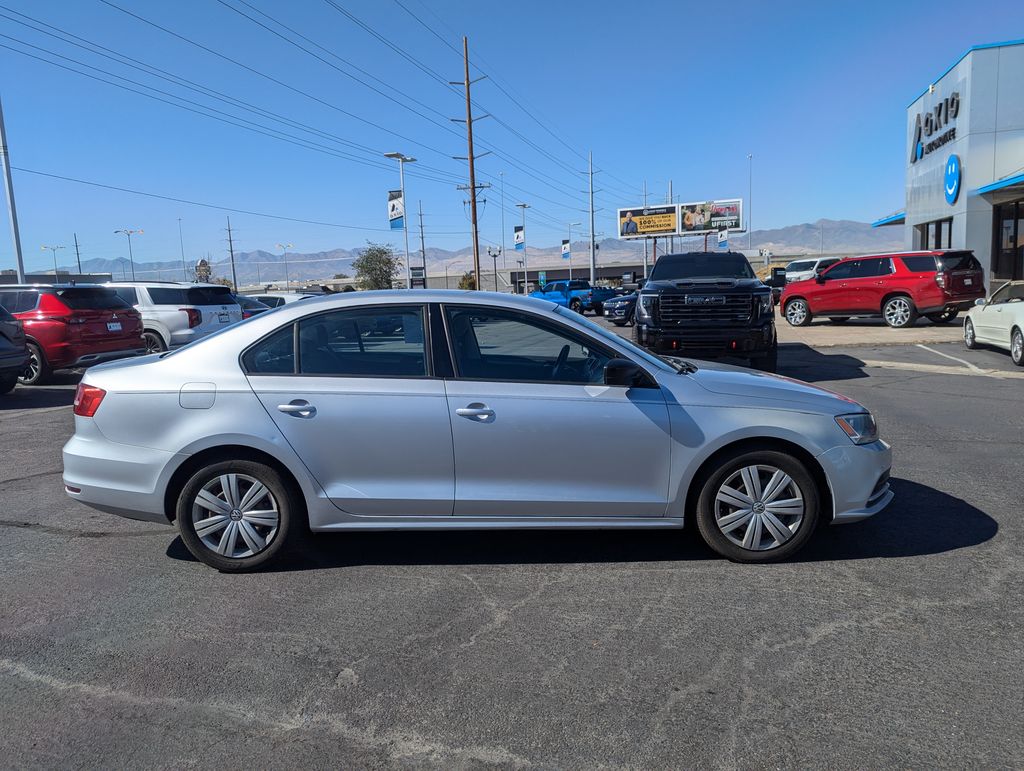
x=921, y=263
x=494, y=344
x=274, y=355
x=364, y=342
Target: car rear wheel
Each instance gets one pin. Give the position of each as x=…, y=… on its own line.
x=576, y=305
x=239, y=515
x=1017, y=347
x=7, y=383
x=899, y=312
x=37, y=371
x=798, y=313
x=970, y=339
x=758, y=506
x=154, y=342
x=942, y=318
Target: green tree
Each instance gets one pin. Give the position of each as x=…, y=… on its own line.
x=468, y=281
x=377, y=267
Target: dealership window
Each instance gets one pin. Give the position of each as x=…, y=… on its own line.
x=1008, y=249
x=936, y=235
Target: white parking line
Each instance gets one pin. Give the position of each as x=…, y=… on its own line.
x=967, y=364
x=943, y=369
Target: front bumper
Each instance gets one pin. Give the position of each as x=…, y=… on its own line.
x=14, y=364
x=708, y=341
x=858, y=478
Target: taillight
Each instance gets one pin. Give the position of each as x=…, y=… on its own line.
x=195, y=316
x=940, y=279
x=87, y=400
x=52, y=308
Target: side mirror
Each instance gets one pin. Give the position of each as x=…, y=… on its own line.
x=624, y=373
x=819, y=278
x=980, y=301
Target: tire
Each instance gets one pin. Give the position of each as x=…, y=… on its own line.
x=839, y=319
x=249, y=530
x=798, y=313
x=154, y=342
x=37, y=372
x=7, y=383
x=970, y=339
x=767, y=363
x=576, y=306
x=749, y=539
x=598, y=309
x=942, y=318
x=899, y=312
x=1017, y=346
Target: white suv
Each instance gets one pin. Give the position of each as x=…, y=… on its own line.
x=801, y=270
x=175, y=313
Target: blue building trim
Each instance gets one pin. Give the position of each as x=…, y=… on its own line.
x=993, y=186
x=949, y=69
x=893, y=219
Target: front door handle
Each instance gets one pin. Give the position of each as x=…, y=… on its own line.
x=476, y=411
x=299, y=408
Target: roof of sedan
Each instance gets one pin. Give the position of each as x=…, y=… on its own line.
x=385, y=296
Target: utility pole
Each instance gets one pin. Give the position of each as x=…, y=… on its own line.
x=593, y=256
x=423, y=247
x=131, y=257
x=12, y=211
x=402, y=160
x=231, y=252
x=645, y=240
x=181, y=243
x=470, y=158
x=78, y=255
x=525, y=265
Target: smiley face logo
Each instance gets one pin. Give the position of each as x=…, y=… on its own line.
x=951, y=179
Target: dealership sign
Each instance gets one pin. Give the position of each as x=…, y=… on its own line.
x=933, y=129
x=649, y=221
x=687, y=219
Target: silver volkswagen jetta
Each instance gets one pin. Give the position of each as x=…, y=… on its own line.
x=443, y=409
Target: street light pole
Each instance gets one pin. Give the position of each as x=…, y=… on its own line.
x=525, y=262
x=181, y=243
x=131, y=257
x=54, y=250
x=494, y=254
x=285, y=248
x=402, y=160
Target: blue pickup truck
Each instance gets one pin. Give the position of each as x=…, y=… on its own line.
x=577, y=296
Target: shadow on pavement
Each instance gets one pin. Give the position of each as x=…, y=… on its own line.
x=35, y=397
x=919, y=521
x=802, y=362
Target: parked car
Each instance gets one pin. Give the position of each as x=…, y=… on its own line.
x=13, y=351
x=175, y=313
x=707, y=304
x=250, y=305
x=999, y=321
x=619, y=309
x=801, y=270
x=71, y=326
x=299, y=420
x=577, y=296
x=898, y=287
x=277, y=299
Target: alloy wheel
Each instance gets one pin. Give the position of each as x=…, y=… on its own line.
x=969, y=334
x=796, y=312
x=33, y=368
x=1017, y=347
x=759, y=507
x=897, y=312
x=153, y=343
x=235, y=515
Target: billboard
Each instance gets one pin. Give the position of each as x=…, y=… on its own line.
x=710, y=216
x=648, y=221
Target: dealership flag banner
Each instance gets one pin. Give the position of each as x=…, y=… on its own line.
x=519, y=237
x=648, y=221
x=566, y=254
x=723, y=239
x=396, y=209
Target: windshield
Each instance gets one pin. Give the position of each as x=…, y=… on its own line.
x=194, y=295
x=673, y=267
x=799, y=266
x=657, y=361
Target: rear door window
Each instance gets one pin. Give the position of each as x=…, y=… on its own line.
x=364, y=342
x=91, y=299
x=919, y=263
x=195, y=295
x=871, y=267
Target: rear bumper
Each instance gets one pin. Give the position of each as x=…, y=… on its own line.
x=959, y=304
x=88, y=359
x=14, y=364
x=709, y=341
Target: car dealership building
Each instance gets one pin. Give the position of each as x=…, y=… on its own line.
x=965, y=162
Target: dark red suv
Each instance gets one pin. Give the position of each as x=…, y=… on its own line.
x=72, y=326
x=898, y=287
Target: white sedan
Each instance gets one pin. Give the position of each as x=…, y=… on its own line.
x=999, y=321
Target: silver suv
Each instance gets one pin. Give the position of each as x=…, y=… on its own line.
x=175, y=313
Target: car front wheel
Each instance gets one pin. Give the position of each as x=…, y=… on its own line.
x=798, y=313
x=970, y=339
x=239, y=515
x=758, y=506
x=899, y=312
x=1017, y=347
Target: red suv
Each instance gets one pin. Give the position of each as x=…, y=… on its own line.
x=72, y=326
x=898, y=287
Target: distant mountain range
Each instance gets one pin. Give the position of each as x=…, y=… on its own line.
x=830, y=236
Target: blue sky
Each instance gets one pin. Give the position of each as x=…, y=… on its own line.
x=659, y=91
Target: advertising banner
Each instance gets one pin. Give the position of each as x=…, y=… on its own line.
x=710, y=216
x=648, y=221
x=566, y=253
x=723, y=239
x=396, y=209
x=519, y=237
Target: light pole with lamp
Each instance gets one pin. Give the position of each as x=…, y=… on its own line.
x=402, y=160
x=494, y=254
x=524, y=262
x=284, y=252
x=450, y=262
x=54, y=250
x=131, y=257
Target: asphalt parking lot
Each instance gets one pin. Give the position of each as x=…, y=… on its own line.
x=892, y=642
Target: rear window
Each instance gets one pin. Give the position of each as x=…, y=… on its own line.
x=921, y=263
x=193, y=295
x=958, y=261
x=19, y=301
x=91, y=299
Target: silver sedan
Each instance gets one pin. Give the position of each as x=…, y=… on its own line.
x=453, y=410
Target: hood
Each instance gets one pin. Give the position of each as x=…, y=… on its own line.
x=751, y=388
x=704, y=284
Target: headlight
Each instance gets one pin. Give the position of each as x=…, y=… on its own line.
x=645, y=306
x=767, y=303
x=860, y=427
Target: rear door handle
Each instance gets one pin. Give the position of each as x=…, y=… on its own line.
x=476, y=411
x=299, y=408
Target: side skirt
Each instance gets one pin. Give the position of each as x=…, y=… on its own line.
x=517, y=523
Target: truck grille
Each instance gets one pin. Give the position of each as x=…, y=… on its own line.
x=700, y=308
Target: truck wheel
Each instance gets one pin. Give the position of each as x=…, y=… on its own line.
x=7, y=383
x=798, y=313
x=576, y=305
x=899, y=312
x=769, y=362
x=37, y=371
x=598, y=309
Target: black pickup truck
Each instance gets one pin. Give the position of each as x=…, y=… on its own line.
x=706, y=305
